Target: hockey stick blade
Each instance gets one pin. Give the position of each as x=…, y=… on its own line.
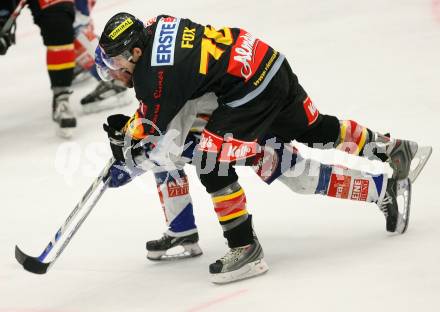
x=30, y=264
x=36, y=265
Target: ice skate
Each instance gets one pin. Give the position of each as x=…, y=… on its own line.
x=107, y=95
x=62, y=114
x=396, y=205
x=160, y=249
x=239, y=263
x=406, y=158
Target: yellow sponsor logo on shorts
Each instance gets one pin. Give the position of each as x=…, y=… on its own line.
x=121, y=28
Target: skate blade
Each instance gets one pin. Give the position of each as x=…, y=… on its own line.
x=419, y=161
x=404, y=201
x=247, y=271
x=115, y=101
x=190, y=251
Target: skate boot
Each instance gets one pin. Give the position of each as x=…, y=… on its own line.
x=239, y=263
x=395, y=209
x=406, y=158
x=62, y=114
x=158, y=249
x=107, y=95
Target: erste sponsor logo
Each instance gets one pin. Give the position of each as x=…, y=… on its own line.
x=164, y=42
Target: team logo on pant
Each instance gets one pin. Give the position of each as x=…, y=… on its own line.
x=233, y=150
x=209, y=142
x=230, y=149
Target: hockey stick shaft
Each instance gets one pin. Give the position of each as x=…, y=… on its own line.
x=79, y=223
x=78, y=208
x=13, y=17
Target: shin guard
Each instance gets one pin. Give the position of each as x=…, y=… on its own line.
x=173, y=189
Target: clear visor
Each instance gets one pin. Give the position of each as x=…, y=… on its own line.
x=107, y=74
x=116, y=62
x=109, y=68
x=104, y=72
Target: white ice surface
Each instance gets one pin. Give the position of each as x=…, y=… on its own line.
x=375, y=61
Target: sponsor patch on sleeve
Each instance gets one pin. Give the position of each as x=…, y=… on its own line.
x=312, y=112
x=246, y=55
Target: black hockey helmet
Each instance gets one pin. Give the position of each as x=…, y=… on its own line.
x=123, y=32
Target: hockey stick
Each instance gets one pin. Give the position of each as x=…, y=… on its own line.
x=7, y=26
x=36, y=264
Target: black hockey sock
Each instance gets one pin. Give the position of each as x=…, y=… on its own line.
x=240, y=235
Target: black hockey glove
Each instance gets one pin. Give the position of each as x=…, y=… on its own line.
x=122, y=146
x=8, y=37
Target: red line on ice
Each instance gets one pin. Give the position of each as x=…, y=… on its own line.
x=210, y=303
x=436, y=9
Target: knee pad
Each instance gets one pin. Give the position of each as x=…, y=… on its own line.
x=173, y=189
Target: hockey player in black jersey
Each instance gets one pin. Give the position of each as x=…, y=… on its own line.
x=66, y=33
x=170, y=61
x=55, y=19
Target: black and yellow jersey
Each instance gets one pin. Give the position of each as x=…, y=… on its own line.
x=184, y=60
